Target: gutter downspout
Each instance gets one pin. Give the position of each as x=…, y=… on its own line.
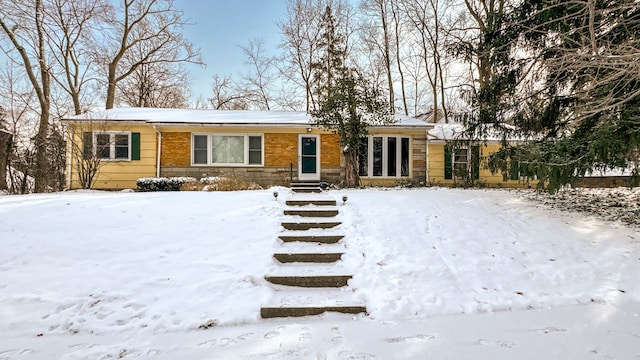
x=69, y=134
x=427, y=159
x=159, y=150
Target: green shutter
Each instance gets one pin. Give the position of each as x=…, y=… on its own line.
x=514, y=170
x=135, y=146
x=87, y=145
x=475, y=162
x=448, y=168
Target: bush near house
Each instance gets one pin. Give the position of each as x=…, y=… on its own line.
x=162, y=183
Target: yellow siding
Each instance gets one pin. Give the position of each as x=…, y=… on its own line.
x=113, y=175
x=436, y=168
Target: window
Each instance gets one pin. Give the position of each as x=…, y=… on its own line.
x=200, y=149
x=385, y=156
x=112, y=145
x=462, y=162
x=231, y=150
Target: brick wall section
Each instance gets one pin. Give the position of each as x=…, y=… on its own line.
x=280, y=153
x=330, y=150
x=176, y=149
x=280, y=149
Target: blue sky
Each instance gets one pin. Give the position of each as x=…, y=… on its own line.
x=220, y=27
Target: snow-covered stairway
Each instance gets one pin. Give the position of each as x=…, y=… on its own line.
x=309, y=278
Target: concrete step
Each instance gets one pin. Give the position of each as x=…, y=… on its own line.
x=309, y=225
x=279, y=312
x=306, y=190
x=312, y=213
x=315, y=281
x=322, y=239
x=308, y=257
x=304, y=183
x=311, y=202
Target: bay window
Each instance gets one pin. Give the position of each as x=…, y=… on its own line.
x=384, y=156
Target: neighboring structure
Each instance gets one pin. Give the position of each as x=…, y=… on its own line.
x=267, y=147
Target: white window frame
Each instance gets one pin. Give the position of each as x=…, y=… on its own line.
x=245, y=162
x=467, y=162
x=385, y=162
x=112, y=145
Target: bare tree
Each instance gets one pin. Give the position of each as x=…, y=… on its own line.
x=151, y=27
x=85, y=153
x=226, y=94
x=382, y=41
x=395, y=13
x=429, y=28
x=22, y=23
x=257, y=84
x=301, y=31
x=6, y=144
x=71, y=31
x=159, y=85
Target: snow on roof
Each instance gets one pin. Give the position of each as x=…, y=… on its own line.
x=455, y=131
x=209, y=116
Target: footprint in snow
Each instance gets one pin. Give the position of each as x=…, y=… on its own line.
x=552, y=330
x=498, y=343
x=347, y=355
x=411, y=339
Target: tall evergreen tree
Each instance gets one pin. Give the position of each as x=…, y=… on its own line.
x=586, y=111
x=348, y=105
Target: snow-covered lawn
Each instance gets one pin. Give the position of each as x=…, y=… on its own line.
x=464, y=274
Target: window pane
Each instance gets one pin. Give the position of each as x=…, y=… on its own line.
x=308, y=146
x=227, y=149
x=460, y=162
x=122, y=146
x=404, y=157
x=200, y=149
x=377, y=156
x=391, y=156
x=309, y=164
x=103, y=146
x=363, y=161
x=199, y=142
x=255, y=142
x=255, y=150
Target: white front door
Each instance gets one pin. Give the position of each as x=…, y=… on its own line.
x=309, y=157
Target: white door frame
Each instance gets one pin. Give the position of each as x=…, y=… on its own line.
x=309, y=176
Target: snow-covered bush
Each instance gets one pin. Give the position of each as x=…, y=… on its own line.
x=162, y=183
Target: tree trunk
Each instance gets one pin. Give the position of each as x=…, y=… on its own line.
x=387, y=56
x=351, y=174
x=111, y=87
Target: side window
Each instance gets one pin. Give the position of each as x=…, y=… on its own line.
x=255, y=150
x=200, y=149
x=103, y=146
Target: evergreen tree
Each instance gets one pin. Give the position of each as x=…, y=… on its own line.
x=579, y=96
x=347, y=104
x=588, y=114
